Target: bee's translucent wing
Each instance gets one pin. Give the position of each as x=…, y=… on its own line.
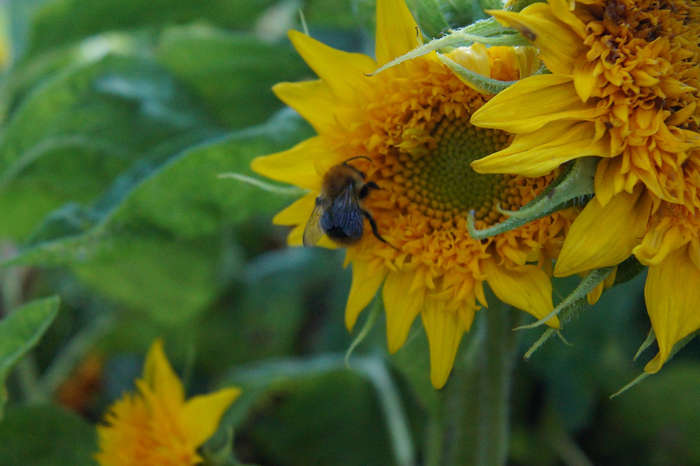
x=313, y=231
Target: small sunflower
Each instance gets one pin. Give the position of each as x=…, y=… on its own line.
x=156, y=426
x=412, y=123
x=624, y=86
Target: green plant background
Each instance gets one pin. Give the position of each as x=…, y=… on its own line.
x=117, y=118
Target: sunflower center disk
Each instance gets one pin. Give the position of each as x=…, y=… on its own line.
x=443, y=182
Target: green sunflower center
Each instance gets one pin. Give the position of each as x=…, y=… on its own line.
x=443, y=181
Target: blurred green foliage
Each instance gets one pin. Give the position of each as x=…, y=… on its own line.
x=118, y=116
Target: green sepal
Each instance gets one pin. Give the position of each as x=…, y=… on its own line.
x=576, y=298
x=573, y=303
x=676, y=348
x=285, y=191
x=20, y=332
x=574, y=183
x=478, y=81
x=546, y=335
x=651, y=338
x=487, y=31
x=631, y=384
x=364, y=331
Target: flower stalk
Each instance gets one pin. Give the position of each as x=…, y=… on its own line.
x=474, y=425
x=496, y=364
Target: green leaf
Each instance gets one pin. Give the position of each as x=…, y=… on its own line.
x=491, y=4
x=45, y=435
x=88, y=17
x=311, y=389
x=230, y=72
x=429, y=15
x=184, y=195
x=167, y=279
x=76, y=131
x=157, y=226
x=20, y=332
x=461, y=12
x=332, y=14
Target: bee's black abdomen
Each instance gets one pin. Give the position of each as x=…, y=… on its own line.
x=340, y=236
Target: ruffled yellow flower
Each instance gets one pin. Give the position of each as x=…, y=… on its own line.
x=412, y=121
x=156, y=426
x=624, y=86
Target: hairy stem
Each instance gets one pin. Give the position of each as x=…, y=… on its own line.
x=496, y=368
x=474, y=427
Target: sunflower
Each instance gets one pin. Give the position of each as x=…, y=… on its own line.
x=412, y=123
x=624, y=86
x=157, y=427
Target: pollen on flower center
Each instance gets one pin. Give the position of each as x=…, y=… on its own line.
x=437, y=176
x=445, y=176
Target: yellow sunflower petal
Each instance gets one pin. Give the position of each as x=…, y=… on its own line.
x=602, y=236
x=694, y=251
x=562, y=9
x=530, y=104
x=312, y=99
x=298, y=212
x=344, y=72
x=609, y=179
x=367, y=276
x=201, y=414
x=295, y=166
x=296, y=236
x=528, y=289
x=444, y=330
x=475, y=58
x=594, y=295
x=585, y=79
x=558, y=43
x=658, y=243
x=673, y=308
x=161, y=378
x=397, y=31
x=401, y=307
x=540, y=152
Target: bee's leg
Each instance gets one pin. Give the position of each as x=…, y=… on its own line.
x=364, y=191
x=373, y=224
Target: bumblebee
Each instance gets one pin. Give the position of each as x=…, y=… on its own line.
x=338, y=212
